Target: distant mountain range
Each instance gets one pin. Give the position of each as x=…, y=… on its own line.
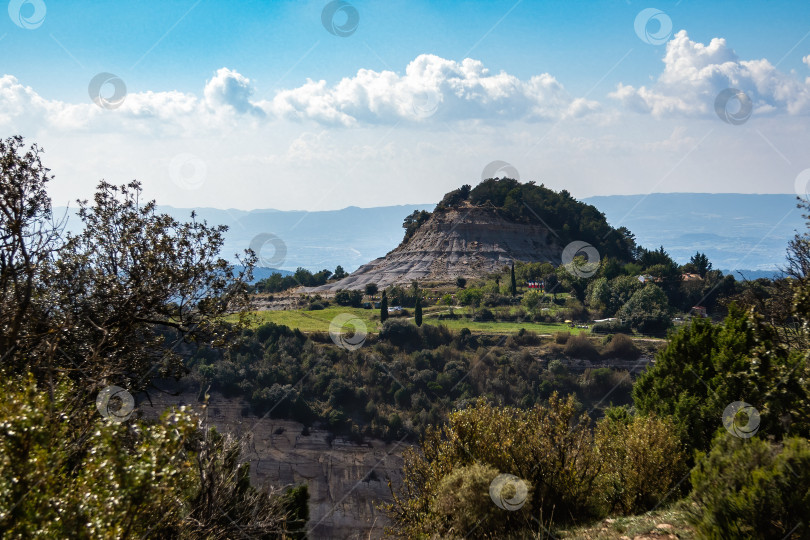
x=736, y=231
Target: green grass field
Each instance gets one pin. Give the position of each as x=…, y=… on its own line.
x=318, y=321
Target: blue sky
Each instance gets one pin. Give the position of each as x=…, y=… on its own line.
x=243, y=101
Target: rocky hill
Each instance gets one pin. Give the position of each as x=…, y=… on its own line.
x=467, y=241
x=474, y=232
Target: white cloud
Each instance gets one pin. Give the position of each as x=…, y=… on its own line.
x=806, y=60
x=431, y=87
x=694, y=74
x=230, y=89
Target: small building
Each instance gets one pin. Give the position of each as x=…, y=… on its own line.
x=699, y=311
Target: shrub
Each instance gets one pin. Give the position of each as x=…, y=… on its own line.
x=547, y=447
x=622, y=347
x=574, y=310
x=401, y=333
x=67, y=472
x=750, y=488
x=642, y=459
x=464, y=506
x=580, y=346
x=561, y=338
x=612, y=327
x=346, y=297
x=600, y=382
x=556, y=367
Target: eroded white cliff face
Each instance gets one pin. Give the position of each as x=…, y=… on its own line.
x=346, y=481
x=466, y=241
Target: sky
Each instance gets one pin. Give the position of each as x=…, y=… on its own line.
x=318, y=105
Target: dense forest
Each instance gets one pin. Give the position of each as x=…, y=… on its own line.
x=405, y=379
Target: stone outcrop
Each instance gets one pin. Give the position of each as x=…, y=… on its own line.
x=346, y=481
x=468, y=241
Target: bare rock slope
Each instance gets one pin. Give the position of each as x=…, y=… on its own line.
x=346, y=481
x=468, y=241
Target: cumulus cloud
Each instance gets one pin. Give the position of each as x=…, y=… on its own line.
x=230, y=89
x=806, y=60
x=430, y=87
x=695, y=73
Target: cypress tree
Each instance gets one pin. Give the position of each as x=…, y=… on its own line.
x=418, y=312
x=383, y=307
x=513, y=286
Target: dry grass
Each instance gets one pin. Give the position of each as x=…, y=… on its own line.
x=660, y=524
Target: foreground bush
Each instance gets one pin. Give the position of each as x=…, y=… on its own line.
x=643, y=459
x=750, y=488
x=560, y=474
x=463, y=502
x=67, y=472
x=549, y=448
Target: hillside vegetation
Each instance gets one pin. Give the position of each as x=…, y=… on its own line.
x=569, y=218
